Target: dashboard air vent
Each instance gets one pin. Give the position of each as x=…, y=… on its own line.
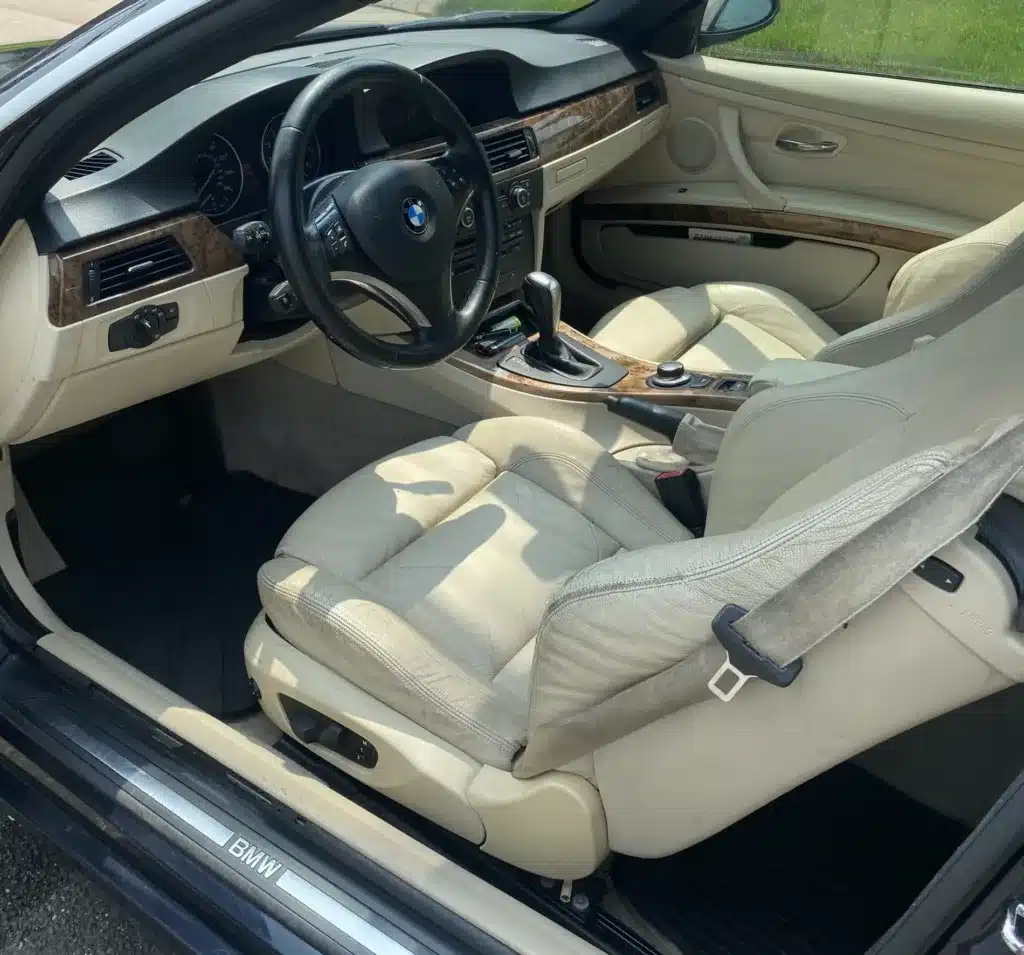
x=647, y=95
x=509, y=149
x=94, y=162
x=135, y=268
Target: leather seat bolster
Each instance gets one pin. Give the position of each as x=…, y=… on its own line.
x=340, y=626
x=590, y=688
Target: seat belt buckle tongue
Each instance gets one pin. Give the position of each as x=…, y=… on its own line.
x=721, y=687
x=742, y=661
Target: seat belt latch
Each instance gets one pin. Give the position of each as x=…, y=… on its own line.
x=742, y=661
x=680, y=493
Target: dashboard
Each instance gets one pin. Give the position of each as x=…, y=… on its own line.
x=211, y=137
x=124, y=282
x=231, y=168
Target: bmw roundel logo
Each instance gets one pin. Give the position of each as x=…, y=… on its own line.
x=415, y=215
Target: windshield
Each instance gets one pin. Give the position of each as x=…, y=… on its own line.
x=28, y=25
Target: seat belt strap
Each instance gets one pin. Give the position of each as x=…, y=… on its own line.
x=698, y=441
x=770, y=641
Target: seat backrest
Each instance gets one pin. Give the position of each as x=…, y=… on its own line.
x=798, y=465
x=938, y=290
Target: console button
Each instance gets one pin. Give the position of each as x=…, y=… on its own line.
x=521, y=196
x=670, y=374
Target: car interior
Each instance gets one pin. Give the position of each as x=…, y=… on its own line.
x=401, y=445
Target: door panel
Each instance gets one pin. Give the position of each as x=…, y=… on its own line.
x=876, y=169
x=820, y=274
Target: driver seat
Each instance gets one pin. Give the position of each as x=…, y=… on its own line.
x=485, y=627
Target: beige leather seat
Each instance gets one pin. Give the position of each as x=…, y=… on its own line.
x=503, y=615
x=736, y=327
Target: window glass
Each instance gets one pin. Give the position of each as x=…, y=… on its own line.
x=962, y=41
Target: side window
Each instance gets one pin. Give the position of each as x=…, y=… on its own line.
x=960, y=41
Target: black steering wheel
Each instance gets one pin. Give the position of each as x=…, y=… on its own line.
x=387, y=228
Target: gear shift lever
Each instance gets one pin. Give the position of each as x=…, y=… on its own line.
x=550, y=357
x=543, y=295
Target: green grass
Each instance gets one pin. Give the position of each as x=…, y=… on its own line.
x=969, y=41
x=28, y=45
x=541, y=6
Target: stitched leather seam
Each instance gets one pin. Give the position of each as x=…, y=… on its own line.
x=845, y=396
x=591, y=479
x=373, y=649
x=783, y=535
x=423, y=532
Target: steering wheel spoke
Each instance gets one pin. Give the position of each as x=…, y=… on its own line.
x=433, y=297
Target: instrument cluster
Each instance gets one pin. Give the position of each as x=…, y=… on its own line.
x=231, y=171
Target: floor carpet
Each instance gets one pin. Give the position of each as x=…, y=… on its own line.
x=162, y=547
x=824, y=870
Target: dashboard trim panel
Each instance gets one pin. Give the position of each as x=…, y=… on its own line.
x=563, y=129
x=635, y=382
x=559, y=131
x=209, y=250
x=796, y=223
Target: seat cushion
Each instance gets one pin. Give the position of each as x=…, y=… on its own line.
x=660, y=326
x=720, y=327
x=423, y=578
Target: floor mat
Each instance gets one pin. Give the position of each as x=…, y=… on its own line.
x=162, y=547
x=179, y=608
x=824, y=870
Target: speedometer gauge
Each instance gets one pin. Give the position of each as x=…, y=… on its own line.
x=218, y=177
x=270, y=131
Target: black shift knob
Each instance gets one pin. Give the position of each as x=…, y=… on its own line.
x=543, y=295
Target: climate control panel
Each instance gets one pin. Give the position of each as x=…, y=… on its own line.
x=518, y=198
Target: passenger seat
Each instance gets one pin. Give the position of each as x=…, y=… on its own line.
x=737, y=327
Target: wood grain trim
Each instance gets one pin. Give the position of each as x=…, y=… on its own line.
x=635, y=382
x=567, y=128
x=209, y=250
x=795, y=223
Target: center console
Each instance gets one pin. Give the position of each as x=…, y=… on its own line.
x=523, y=346
x=519, y=200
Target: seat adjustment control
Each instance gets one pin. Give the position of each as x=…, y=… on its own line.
x=143, y=327
x=309, y=726
x=940, y=574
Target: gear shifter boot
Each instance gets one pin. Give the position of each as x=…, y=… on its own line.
x=551, y=358
x=559, y=355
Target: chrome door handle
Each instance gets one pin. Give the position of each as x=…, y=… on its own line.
x=826, y=148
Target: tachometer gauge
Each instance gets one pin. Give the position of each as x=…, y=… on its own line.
x=218, y=177
x=270, y=131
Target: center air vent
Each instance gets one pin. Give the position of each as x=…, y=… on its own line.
x=135, y=268
x=94, y=162
x=509, y=149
